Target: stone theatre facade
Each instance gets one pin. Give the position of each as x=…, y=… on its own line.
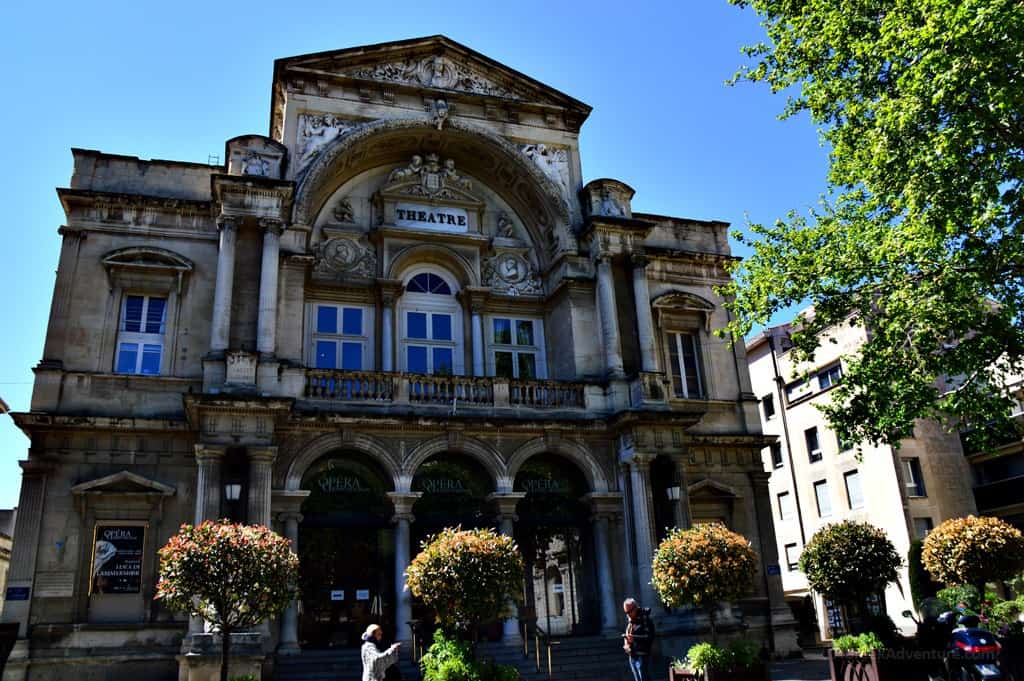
x=403, y=309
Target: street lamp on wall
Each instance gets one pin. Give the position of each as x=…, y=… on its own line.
x=232, y=491
x=673, y=493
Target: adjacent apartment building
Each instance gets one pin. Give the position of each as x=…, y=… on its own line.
x=816, y=479
x=400, y=310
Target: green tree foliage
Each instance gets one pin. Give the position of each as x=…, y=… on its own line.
x=921, y=584
x=233, y=576
x=973, y=551
x=849, y=561
x=467, y=576
x=703, y=566
x=919, y=238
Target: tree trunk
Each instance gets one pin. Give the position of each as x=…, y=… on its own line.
x=714, y=629
x=225, y=651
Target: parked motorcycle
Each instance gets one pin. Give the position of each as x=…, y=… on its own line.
x=972, y=653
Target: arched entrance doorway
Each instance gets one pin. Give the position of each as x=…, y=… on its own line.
x=346, y=552
x=454, y=491
x=553, y=534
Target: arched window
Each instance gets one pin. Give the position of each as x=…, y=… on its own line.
x=430, y=325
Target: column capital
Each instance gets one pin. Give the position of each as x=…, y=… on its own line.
x=476, y=298
x=638, y=260
x=273, y=226
x=604, y=505
x=505, y=503
x=389, y=291
x=759, y=478
x=229, y=222
x=403, y=503
x=265, y=455
x=285, y=516
x=206, y=452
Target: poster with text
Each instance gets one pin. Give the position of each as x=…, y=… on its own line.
x=117, y=559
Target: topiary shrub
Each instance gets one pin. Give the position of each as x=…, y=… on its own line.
x=453, y=660
x=849, y=561
x=703, y=566
x=973, y=550
x=466, y=577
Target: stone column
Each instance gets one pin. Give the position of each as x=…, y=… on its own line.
x=261, y=471
x=220, y=331
x=403, y=519
x=609, y=318
x=24, y=552
x=475, y=298
x=208, y=466
x=289, y=644
x=643, y=521
x=644, y=320
x=388, y=290
x=605, y=507
x=266, y=337
x=505, y=504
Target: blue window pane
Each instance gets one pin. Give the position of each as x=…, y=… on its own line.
x=133, y=313
x=417, y=324
x=442, y=326
x=438, y=285
x=524, y=332
x=127, y=356
x=352, y=356
x=326, y=319
x=417, y=359
x=326, y=355
x=352, y=321
x=150, y=359
x=503, y=331
x=418, y=284
x=155, y=316
x=443, y=361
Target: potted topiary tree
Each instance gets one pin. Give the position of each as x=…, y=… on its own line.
x=705, y=566
x=233, y=576
x=973, y=551
x=466, y=577
x=847, y=563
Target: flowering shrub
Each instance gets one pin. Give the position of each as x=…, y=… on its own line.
x=703, y=566
x=849, y=561
x=466, y=576
x=232, y=576
x=973, y=550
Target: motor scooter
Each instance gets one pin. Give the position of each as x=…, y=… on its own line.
x=972, y=653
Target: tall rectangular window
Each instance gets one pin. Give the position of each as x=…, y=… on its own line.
x=340, y=337
x=768, y=404
x=823, y=499
x=684, y=361
x=786, y=508
x=913, y=479
x=854, y=496
x=792, y=557
x=813, y=447
x=430, y=342
x=776, y=450
x=140, y=338
x=516, y=348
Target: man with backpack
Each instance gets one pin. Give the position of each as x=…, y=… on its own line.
x=638, y=639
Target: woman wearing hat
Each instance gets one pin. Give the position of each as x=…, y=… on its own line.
x=375, y=662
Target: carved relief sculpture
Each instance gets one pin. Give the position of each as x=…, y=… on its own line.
x=316, y=131
x=341, y=256
x=506, y=228
x=438, y=72
x=552, y=161
x=343, y=211
x=254, y=164
x=436, y=182
x=511, y=274
x=440, y=112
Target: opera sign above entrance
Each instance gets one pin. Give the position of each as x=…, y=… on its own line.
x=340, y=484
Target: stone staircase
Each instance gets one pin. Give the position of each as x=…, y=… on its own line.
x=572, y=659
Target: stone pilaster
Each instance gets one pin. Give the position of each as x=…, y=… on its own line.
x=505, y=504
x=610, y=336
x=208, y=465
x=642, y=515
x=266, y=338
x=261, y=465
x=403, y=518
x=289, y=644
x=25, y=549
x=389, y=290
x=605, y=508
x=476, y=300
x=644, y=319
x=221, y=325
x=782, y=624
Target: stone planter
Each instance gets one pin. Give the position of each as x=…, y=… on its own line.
x=755, y=672
x=682, y=674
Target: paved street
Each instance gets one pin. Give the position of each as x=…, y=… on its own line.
x=810, y=669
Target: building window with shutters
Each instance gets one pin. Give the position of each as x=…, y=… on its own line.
x=141, y=334
x=684, y=364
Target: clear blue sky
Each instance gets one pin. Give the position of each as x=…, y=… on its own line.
x=175, y=80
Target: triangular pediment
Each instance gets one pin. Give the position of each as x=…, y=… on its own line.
x=123, y=483
x=708, y=488
x=434, y=63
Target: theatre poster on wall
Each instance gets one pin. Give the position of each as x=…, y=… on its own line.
x=117, y=559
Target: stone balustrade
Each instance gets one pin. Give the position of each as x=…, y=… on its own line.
x=546, y=394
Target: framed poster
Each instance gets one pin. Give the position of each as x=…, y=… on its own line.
x=117, y=559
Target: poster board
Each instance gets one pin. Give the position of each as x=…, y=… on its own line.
x=117, y=554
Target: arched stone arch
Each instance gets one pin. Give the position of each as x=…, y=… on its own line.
x=332, y=442
x=570, y=449
x=478, y=151
x=434, y=254
x=487, y=456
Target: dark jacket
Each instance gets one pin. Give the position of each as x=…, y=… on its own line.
x=643, y=633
